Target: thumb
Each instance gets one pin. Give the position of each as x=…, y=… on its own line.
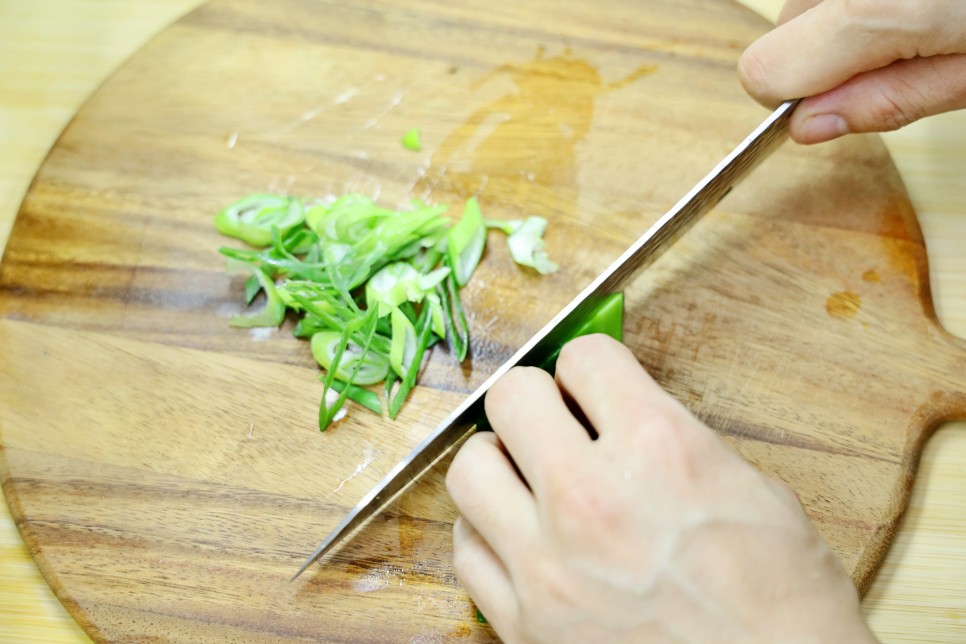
x=883, y=99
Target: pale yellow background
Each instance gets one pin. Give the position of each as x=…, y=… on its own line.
x=54, y=53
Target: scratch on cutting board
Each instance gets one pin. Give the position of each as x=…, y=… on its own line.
x=393, y=103
x=251, y=428
x=490, y=324
x=303, y=118
x=369, y=456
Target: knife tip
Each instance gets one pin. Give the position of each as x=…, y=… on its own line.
x=296, y=575
x=308, y=562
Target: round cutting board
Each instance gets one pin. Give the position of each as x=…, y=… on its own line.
x=165, y=468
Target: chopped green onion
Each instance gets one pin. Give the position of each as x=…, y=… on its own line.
x=372, y=288
x=465, y=242
x=436, y=314
x=411, y=140
x=401, y=282
x=327, y=412
x=526, y=244
x=423, y=342
x=253, y=218
x=454, y=318
x=391, y=286
x=403, y=347
x=391, y=380
x=607, y=317
x=368, y=399
x=372, y=366
x=271, y=314
x=252, y=288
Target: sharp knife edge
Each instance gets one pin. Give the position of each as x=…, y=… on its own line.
x=660, y=236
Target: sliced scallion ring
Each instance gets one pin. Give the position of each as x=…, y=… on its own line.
x=271, y=314
x=372, y=287
x=465, y=242
x=403, y=348
x=411, y=140
x=528, y=248
x=373, y=368
x=253, y=218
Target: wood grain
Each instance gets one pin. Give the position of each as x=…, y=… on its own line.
x=159, y=353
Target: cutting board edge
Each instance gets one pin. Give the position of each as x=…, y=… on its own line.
x=55, y=143
x=47, y=569
x=947, y=403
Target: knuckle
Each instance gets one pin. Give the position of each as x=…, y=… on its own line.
x=466, y=562
x=584, y=509
x=678, y=453
x=905, y=27
x=861, y=12
x=898, y=105
x=879, y=16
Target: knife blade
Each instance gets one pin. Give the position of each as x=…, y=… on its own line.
x=659, y=237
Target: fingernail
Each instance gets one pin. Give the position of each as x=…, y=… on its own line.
x=823, y=127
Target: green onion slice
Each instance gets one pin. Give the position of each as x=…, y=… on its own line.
x=373, y=288
x=454, y=318
x=368, y=399
x=372, y=365
x=400, y=282
x=411, y=140
x=253, y=218
x=423, y=342
x=607, y=317
x=466, y=241
x=403, y=348
x=526, y=243
x=271, y=314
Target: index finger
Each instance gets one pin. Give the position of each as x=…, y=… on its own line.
x=612, y=388
x=526, y=410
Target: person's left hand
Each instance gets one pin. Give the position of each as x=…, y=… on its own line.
x=655, y=531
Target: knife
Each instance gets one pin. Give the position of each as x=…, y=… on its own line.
x=659, y=237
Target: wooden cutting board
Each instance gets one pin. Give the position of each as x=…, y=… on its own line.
x=165, y=469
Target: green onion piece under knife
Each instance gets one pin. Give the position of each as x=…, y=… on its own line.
x=271, y=314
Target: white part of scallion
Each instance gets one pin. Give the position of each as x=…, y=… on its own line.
x=465, y=242
x=403, y=347
x=527, y=246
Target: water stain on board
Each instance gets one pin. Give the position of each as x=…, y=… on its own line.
x=521, y=146
x=843, y=304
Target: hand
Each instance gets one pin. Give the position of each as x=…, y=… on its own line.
x=865, y=65
x=655, y=531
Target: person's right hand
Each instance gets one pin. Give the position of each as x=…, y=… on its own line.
x=864, y=65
